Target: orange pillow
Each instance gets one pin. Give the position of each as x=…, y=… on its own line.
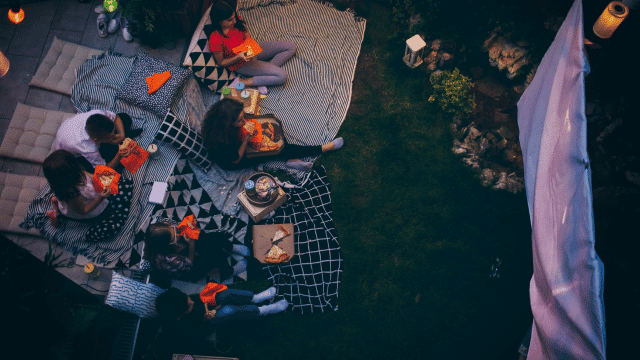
x=189, y=227
x=105, y=176
x=137, y=157
x=155, y=81
x=208, y=294
x=250, y=46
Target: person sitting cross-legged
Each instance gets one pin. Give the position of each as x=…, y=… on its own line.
x=94, y=137
x=187, y=319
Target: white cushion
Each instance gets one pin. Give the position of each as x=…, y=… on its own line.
x=31, y=133
x=57, y=71
x=133, y=296
x=16, y=193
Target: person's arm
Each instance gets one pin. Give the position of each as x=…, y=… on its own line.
x=243, y=146
x=116, y=160
x=221, y=61
x=119, y=138
x=192, y=248
x=81, y=208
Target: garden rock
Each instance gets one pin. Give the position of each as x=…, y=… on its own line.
x=487, y=177
x=506, y=133
x=501, y=117
x=490, y=86
x=633, y=177
x=476, y=72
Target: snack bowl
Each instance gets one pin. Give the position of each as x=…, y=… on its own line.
x=271, y=193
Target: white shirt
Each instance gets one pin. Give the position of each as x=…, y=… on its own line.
x=73, y=137
x=87, y=194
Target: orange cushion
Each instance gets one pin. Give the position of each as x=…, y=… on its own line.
x=156, y=80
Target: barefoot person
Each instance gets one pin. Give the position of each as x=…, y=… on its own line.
x=220, y=129
x=261, y=70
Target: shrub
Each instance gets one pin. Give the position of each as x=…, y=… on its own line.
x=451, y=92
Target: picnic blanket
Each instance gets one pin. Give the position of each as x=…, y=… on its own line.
x=310, y=280
x=187, y=196
x=313, y=103
x=98, y=80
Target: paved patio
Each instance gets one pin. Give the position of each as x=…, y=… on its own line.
x=25, y=45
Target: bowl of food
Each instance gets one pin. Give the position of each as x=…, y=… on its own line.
x=266, y=190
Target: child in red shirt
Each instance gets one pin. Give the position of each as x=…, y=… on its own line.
x=261, y=70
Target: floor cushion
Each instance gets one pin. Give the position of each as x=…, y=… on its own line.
x=31, y=133
x=57, y=70
x=16, y=193
x=132, y=296
x=136, y=90
x=186, y=140
x=200, y=59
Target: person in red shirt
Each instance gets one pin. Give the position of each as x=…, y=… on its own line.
x=261, y=70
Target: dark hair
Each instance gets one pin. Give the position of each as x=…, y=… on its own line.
x=222, y=10
x=98, y=126
x=158, y=241
x=64, y=174
x=171, y=304
x=217, y=123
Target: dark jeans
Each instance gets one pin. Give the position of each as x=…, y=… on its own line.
x=289, y=151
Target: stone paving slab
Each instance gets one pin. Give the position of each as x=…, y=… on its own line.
x=43, y=99
x=66, y=35
x=31, y=34
x=7, y=29
x=72, y=15
x=14, y=86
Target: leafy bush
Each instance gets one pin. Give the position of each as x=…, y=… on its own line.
x=451, y=92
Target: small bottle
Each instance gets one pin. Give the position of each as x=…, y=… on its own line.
x=91, y=270
x=250, y=187
x=225, y=90
x=245, y=94
x=239, y=86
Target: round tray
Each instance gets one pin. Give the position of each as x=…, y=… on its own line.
x=254, y=200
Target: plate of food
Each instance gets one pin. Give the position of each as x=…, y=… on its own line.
x=273, y=243
x=265, y=189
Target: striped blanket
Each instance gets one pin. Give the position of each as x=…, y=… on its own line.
x=315, y=99
x=98, y=80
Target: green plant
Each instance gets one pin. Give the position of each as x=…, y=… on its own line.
x=150, y=16
x=51, y=258
x=451, y=92
x=414, y=15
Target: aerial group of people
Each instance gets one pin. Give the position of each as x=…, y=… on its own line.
x=91, y=139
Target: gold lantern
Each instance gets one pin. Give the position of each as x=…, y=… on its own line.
x=4, y=65
x=16, y=14
x=610, y=19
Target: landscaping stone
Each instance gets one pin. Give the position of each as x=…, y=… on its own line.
x=490, y=86
x=633, y=177
x=476, y=72
x=506, y=133
x=500, y=116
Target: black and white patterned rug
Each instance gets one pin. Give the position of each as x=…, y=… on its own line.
x=187, y=197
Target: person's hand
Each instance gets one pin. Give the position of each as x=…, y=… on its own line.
x=189, y=240
x=105, y=193
x=246, y=57
x=208, y=315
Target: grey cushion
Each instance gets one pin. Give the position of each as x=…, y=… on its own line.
x=31, y=133
x=16, y=194
x=57, y=70
x=135, y=297
x=135, y=90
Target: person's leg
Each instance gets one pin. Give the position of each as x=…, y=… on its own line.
x=262, y=73
x=234, y=297
x=276, y=52
x=291, y=151
x=235, y=312
x=118, y=208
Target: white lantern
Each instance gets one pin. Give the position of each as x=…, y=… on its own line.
x=411, y=57
x=610, y=19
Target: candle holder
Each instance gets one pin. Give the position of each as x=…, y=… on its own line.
x=411, y=57
x=610, y=19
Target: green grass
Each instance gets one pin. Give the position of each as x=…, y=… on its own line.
x=417, y=232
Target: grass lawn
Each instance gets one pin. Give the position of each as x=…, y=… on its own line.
x=417, y=232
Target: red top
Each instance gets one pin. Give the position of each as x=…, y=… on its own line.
x=219, y=43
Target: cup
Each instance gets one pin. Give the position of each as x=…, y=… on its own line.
x=152, y=149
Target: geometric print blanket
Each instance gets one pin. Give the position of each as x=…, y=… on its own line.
x=187, y=197
x=310, y=280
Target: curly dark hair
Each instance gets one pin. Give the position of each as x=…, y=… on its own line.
x=64, y=174
x=222, y=10
x=217, y=125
